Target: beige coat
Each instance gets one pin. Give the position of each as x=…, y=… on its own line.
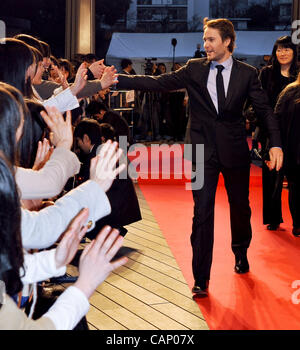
x=13, y=318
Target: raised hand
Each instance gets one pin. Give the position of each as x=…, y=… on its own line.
x=61, y=134
x=103, y=168
x=95, y=262
x=80, y=79
x=97, y=68
x=109, y=77
x=68, y=245
x=43, y=154
x=61, y=79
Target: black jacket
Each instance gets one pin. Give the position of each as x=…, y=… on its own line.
x=227, y=135
x=288, y=111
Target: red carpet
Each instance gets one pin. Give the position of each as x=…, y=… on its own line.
x=264, y=299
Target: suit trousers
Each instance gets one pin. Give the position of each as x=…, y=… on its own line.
x=272, y=182
x=237, y=186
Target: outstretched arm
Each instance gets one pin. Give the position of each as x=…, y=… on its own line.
x=165, y=82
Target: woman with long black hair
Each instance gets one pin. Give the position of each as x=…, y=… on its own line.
x=274, y=78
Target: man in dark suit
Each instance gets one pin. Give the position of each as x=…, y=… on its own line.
x=218, y=87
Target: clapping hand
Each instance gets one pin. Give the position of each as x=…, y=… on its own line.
x=43, y=154
x=97, y=68
x=103, y=168
x=68, y=245
x=95, y=262
x=61, y=79
x=80, y=80
x=61, y=134
x=109, y=77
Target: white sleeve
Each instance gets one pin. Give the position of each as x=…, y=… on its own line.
x=41, y=229
x=68, y=309
x=40, y=266
x=64, y=101
x=51, y=179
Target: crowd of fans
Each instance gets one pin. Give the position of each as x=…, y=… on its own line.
x=44, y=133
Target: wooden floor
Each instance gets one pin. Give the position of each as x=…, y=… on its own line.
x=149, y=292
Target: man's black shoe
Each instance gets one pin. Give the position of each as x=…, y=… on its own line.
x=200, y=289
x=241, y=264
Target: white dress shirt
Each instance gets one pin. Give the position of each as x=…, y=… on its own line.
x=211, y=82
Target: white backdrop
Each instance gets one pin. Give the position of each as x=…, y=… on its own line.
x=251, y=46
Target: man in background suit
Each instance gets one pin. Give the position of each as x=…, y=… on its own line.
x=218, y=87
x=126, y=65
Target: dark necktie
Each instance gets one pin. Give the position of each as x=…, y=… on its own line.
x=220, y=90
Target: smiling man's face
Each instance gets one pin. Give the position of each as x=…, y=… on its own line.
x=216, y=49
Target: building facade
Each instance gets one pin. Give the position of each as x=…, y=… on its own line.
x=166, y=15
x=254, y=14
x=187, y=15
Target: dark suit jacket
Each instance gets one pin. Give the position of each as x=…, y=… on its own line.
x=227, y=135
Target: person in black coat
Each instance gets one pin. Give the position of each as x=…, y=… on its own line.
x=274, y=78
x=288, y=110
x=122, y=196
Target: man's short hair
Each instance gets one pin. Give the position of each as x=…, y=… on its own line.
x=225, y=28
x=125, y=63
x=108, y=131
x=95, y=107
x=90, y=57
x=89, y=127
